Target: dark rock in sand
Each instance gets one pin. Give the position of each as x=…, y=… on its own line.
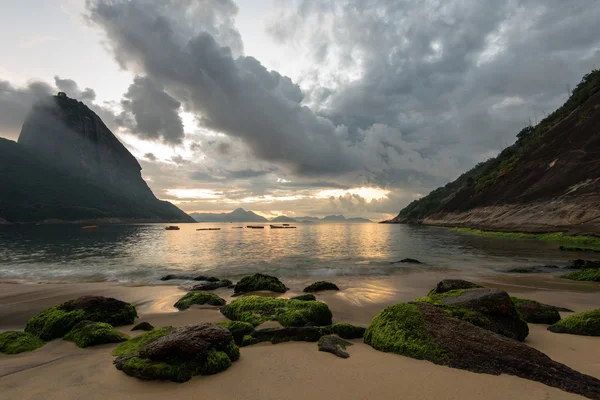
x=579, y=263
x=305, y=297
x=88, y=333
x=586, y=323
x=348, y=331
x=499, y=312
x=201, y=349
x=189, y=278
x=57, y=321
x=212, y=285
x=452, y=284
x=407, y=261
x=319, y=286
x=256, y=282
x=334, y=345
x=532, y=270
x=296, y=334
x=143, y=326
x=424, y=331
x=535, y=312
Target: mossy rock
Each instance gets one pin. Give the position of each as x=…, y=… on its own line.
x=424, y=331
x=88, y=333
x=257, y=309
x=256, y=282
x=305, y=297
x=58, y=320
x=212, y=285
x=491, y=309
x=586, y=323
x=334, y=345
x=579, y=263
x=448, y=285
x=348, y=331
x=199, y=298
x=134, y=345
x=15, y=342
x=587, y=274
x=535, y=312
x=280, y=335
x=319, y=286
x=177, y=354
x=238, y=330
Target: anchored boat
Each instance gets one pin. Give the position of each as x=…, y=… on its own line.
x=172, y=228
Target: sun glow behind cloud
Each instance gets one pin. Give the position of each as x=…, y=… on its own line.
x=205, y=194
x=368, y=193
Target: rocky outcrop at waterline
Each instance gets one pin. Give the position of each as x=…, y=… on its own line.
x=76, y=169
x=547, y=181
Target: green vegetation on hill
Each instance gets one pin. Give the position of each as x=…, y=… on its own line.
x=487, y=173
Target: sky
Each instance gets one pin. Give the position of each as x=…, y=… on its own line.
x=303, y=107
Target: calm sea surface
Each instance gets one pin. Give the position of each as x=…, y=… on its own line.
x=144, y=253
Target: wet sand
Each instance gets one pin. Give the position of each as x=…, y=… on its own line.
x=61, y=370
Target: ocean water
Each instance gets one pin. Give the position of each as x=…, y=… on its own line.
x=143, y=253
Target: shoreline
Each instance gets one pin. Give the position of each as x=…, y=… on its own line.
x=291, y=370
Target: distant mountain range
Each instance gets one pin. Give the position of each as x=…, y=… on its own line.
x=241, y=215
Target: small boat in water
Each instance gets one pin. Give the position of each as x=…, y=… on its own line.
x=285, y=224
x=90, y=227
x=208, y=229
x=289, y=227
x=172, y=228
x=277, y=226
x=255, y=227
x=237, y=227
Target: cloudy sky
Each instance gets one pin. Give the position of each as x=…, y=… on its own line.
x=300, y=107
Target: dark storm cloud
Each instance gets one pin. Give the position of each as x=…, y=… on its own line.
x=236, y=96
x=70, y=87
x=150, y=113
x=15, y=103
x=420, y=91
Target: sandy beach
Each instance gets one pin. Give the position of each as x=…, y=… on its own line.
x=295, y=370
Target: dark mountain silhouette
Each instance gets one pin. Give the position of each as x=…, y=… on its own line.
x=68, y=166
x=237, y=215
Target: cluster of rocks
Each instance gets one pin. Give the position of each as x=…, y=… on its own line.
x=458, y=324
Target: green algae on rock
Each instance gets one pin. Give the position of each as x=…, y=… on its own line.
x=88, y=333
x=58, y=320
x=238, y=329
x=424, y=331
x=304, y=297
x=319, y=286
x=143, y=326
x=348, y=331
x=135, y=344
x=15, y=342
x=535, y=312
x=586, y=324
x=257, y=309
x=199, y=298
x=587, y=274
x=491, y=309
x=256, y=282
x=178, y=354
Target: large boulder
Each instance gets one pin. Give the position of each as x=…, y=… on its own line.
x=256, y=282
x=586, y=323
x=199, y=298
x=15, y=342
x=334, y=345
x=491, y=309
x=453, y=284
x=57, y=321
x=178, y=354
x=319, y=286
x=424, y=331
x=257, y=309
x=88, y=333
x=535, y=312
x=143, y=326
x=212, y=285
x=305, y=297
